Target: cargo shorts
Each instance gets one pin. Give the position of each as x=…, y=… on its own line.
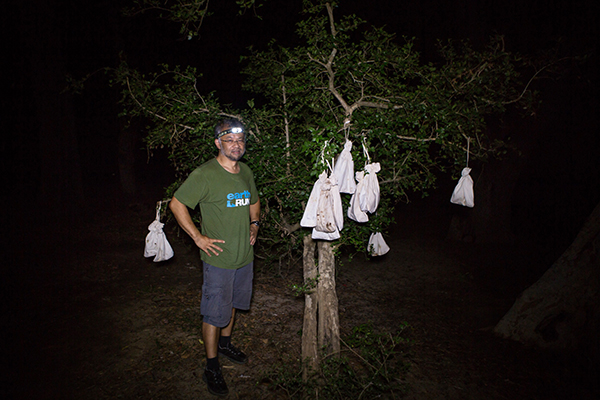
x=224, y=289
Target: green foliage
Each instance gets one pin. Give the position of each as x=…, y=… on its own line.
x=370, y=365
x=347, y=80
x=190, y=14
x=307, y=287
x=180, y=118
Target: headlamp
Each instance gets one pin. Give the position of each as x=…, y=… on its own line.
x=230, y=130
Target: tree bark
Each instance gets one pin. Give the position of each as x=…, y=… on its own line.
x=329, y=327
x=561, y=310
x=310, y=355
x=321, y=329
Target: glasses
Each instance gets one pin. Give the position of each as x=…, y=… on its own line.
x=241, y=142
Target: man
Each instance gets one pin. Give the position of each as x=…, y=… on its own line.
x=230, y=209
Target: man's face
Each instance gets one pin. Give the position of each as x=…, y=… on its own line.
x=232, y=145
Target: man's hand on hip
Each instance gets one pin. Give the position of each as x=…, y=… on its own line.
x=208, y=245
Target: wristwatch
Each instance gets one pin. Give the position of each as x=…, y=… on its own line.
x=257, y=223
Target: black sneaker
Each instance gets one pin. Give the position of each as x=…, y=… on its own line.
x=215, y=382
x=233, y=353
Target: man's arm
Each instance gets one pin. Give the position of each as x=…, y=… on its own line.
x=254, y=216
x=184, y=219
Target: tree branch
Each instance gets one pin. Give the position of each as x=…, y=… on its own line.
x=147, y=110
x=372, y=104
x=331, y=23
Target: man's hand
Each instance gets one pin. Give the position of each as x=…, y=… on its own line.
x=182, y=215
x=253, y=234
x=207, y=244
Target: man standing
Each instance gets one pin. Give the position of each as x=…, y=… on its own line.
x=230, y=209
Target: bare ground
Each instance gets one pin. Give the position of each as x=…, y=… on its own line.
x=89, y=318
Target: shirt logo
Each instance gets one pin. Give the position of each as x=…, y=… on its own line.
x=238, y=199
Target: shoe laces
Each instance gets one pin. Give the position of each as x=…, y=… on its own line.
x=231, y=348
x=217, y=375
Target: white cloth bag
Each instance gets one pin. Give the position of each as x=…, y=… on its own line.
x=369, y=195
x=354, y=211
x=377, y=246
x=324, y=211
x=309, y=218
x=157, y=244
x=344, y=170
x=463, y=192
x=330, y=215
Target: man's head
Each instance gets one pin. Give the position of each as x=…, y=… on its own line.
x=230, y=139
x=227, y=126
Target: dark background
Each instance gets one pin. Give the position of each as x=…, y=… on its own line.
x=61, y=151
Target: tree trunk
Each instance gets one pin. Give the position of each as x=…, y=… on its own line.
x=321, y=330
x=561, y=310
x=309, y=330
x=329, y=326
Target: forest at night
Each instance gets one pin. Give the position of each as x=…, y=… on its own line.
x=86, y=316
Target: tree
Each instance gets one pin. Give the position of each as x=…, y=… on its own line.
x=560, y=310
x=189, y=13
x=347, y=81
x=415, y=118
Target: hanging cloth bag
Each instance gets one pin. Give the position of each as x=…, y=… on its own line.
x=309, y=218
x=157, y=244
x=369, y=196
x=344, y=170
x=354, y=211
x=325, y=217
x=463, y=192
x=318, y=235
x=377, y=246
x=330, y=218
x=330, y=215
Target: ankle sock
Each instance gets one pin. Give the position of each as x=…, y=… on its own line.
x=224, y=341
x=212, y=363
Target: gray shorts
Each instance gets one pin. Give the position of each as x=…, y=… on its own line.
x=224, y=289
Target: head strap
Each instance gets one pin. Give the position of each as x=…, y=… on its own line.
x=230, y=130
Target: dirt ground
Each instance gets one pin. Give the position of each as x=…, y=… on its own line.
x=89, y=317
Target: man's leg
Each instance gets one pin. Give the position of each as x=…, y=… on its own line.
x=212, y=373
x=214, y=298
x=226, y=331
x=225, y=348
x=210, y=335
x=242, y=294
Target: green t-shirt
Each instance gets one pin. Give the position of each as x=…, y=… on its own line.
x=224, y=200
